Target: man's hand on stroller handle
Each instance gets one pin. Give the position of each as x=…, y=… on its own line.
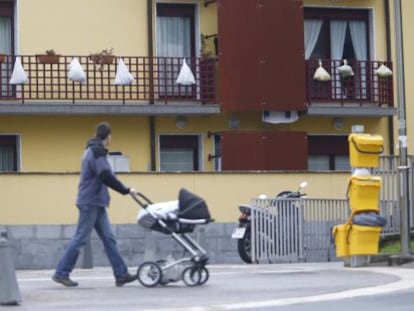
x=132, y=191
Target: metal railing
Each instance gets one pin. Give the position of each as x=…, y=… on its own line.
x=154, y=80
x=364, y=87
x=300, y=230
x=291, y=230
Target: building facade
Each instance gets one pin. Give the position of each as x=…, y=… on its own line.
x=268, y=94
x=249, y=102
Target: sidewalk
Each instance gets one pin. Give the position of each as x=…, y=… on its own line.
x=229, y=286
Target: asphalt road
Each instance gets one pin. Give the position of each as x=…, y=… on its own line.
x=282, y=287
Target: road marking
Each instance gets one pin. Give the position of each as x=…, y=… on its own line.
x=406, y=282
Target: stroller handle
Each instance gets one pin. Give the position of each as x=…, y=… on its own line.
x=141, y=199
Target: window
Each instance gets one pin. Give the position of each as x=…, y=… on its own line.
x=328, y=153
x=333, y=35
x=9, y=153
x=6, y=46
x=179, y=153
x=336, y=34
x=175, y=40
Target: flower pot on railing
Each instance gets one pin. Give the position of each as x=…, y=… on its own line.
x=102, y=59
x=2, y=58
x=48, y=59
x=105, y=57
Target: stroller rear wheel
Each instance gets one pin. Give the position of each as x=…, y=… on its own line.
x=191, y=276
x=149, y=274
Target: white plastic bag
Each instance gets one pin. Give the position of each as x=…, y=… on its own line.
x=345, y=70
x=123, y=76
x=383, y=71
x=76, y=72
x=19, y=75
x=185, y=77
x=321, y=74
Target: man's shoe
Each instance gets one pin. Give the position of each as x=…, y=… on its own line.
x=122, y=280
x=65, y=281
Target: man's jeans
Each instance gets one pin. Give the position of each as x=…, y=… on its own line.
x=92, y=217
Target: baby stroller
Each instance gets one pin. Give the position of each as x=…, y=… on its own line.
x=175, y=218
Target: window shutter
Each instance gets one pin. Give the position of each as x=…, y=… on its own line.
x=261, y=55
x=263, y=150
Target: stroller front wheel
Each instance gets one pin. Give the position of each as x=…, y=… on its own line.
x=191, y=276
x=204, y=275
x=149, y=274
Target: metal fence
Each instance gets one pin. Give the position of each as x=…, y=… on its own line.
x=293, y=230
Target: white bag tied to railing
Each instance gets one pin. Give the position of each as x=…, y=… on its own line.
x=123, y=76
x=185, y=77
x=321, y=74
x=345, y=70
x=383, y=71
x=19, y=75
x=76, y=72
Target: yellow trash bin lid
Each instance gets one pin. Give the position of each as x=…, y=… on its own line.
x=364, y=149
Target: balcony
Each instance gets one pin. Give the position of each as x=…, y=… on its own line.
x=153, y=91
x=363, y=94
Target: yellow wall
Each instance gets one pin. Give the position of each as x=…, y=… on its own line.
x=50, y=198
x=56, y=143
x=79, y=27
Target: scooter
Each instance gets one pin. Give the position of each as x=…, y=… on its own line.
x=243, y=231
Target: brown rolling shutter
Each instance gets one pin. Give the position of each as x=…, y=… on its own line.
x=258, y=150
x=261, y=54
x=238, y=44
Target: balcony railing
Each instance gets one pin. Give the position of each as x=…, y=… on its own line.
x=363, y=88
x=154, y=80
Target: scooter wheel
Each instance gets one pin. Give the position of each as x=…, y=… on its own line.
x=244, y=246
x=149, y=274
x=191, y=276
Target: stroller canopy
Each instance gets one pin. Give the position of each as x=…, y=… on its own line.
x=191, y=206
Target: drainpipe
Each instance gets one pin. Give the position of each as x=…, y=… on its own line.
x=403, y=169
x=151, y=101
x=388, y=47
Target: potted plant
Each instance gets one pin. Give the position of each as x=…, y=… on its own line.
x=2, y=58
x=103, y=57
x=50, y=57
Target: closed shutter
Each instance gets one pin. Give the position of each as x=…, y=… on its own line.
x=261, y=55
x=263, y=150
x=238, y=58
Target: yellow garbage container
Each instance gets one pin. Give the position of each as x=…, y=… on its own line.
x=364, y=240
x=364, y=149
x=364, y=193
x=340, y=235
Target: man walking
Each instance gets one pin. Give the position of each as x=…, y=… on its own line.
x=92, y=201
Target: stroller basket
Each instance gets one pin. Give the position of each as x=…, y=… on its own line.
x=179, y=216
